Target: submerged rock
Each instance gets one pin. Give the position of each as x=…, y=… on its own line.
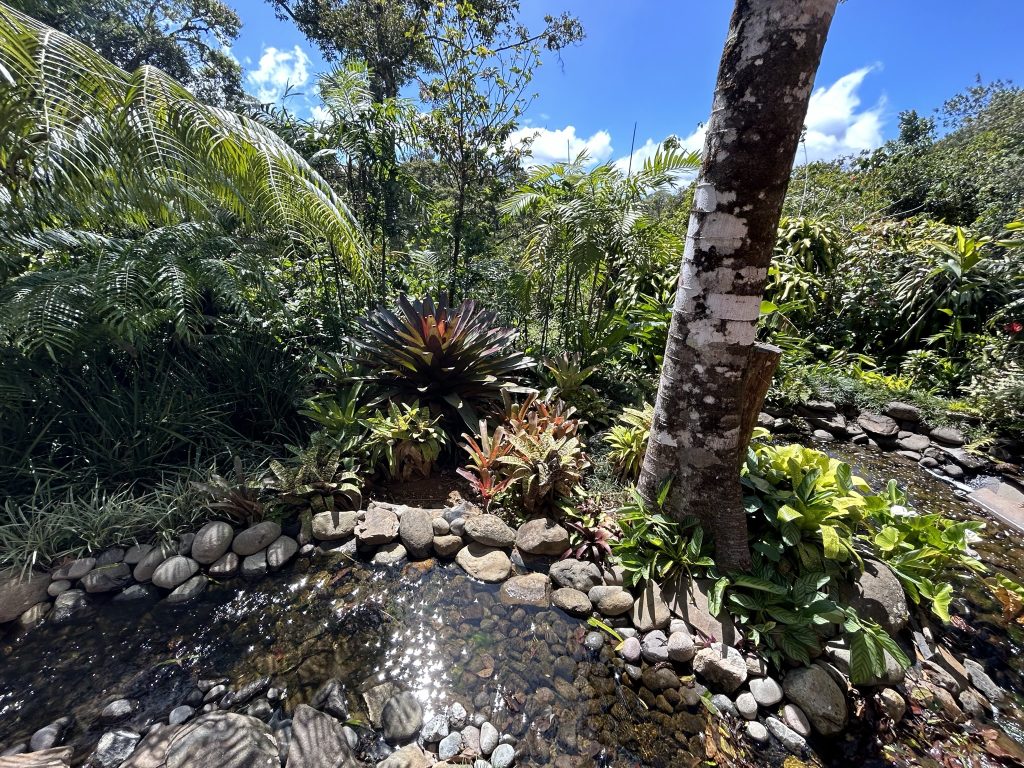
x=401, y=718
x=571, y=601
x=20, y=592
x=225, y=740
x=532, y=589
x=318, y=741
x=484, y=563
x=108, y=578
x=114, y=748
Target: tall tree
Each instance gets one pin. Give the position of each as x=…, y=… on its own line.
x=187, y=39
x=709, y=376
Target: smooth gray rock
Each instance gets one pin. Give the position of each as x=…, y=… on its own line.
x=212, y=541
x=174, y=572
x=916, y=443
x=280, y=551
x=631, y=650
x=877, y=594
x=722, y=666
x=401, y=718
x=225, y=740
x=190, y=590
x=334, y=525
x=903, y=411
x=114, y=748
x=318, y=741
x=20, y=592
x=654, y=647
x=416, y=530
x=687, y=599
x=581, y=575
x=133, y=556
x=795, y=718
x=877, y=425
x=489, y=737
x=892, y=704
x=74, y=570
x=226, y=566
x=484, y=563
x=254, y=566
x=757, y=732
x=447, y=545
x=256, y=537
x=982, y=682
x=681, y=647
x=449, y=746
x=611, y=601
x=390, y=554
x=542, y=537
x=332, y=699
x=790, y=739
x=490, y=530
x=650, y=611
x=180, y=714
x=724, y=705
x=766, y=691
x=67, y=604
x=594, y=641
x=151, y=561
x=50, y=735
x=816, y=693
x=503, y=756
x=746, y=705
x=439, y=526
x=35, y=614
x=435, y=729
x=138, y=592
x=948, y=436
x=107, y=578
x=532, y=589
x=571, y=601
x=118, y=710
x=457, y=716
x=110, y=556
x=56, y=587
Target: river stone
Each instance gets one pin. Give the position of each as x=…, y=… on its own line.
x=795, y=718
x=578, y=574
x=410, y=756
x=631, y=650
x=457, y=716
x=114, y=748
x=334, y=525
x=982, y=682
x=108, y=578
x=948, y=436
x=503, y=756
x=489, y=737
x=471, y=739
x=56, y=587
x=254, y=566
x=649, y=610
x=35, y=614
x=746, y=705
x=766, y=691
x=110, y=556
x=877, y=425
x=435, y=729
x=892, y=704
x=50, y=735
x=68, y=603
x=180, y=714
x=447, y=545
x=401, y=718
x=118, y=710
x=816, y=693
x=136, y=552
x=211, y=542
x=757, y=732
x=18, y=593
x=225, y=740
x=654, y=647
x=450, y=746
x=915, y=443
x=190, y=590
x=257, y=537
x=225, y=567
x=877, y=594
x=722, y=666
x=318, y=741
x=152, y=750
x=416, y=529
x=484, y=563
x=283, y=549
x=174, y=571
x=542, y=537
x=151, y=561
x=724, y=705
x=571, y=601
x=74, y=570
x=390, y=554
x=490, y=530
x=332, y=699
x=790, y=739
x=688, y=599
x=440, y=526
x=380, y=526
x=680, y=645
x=611, y=601
x=531, y=589
x=903, y=411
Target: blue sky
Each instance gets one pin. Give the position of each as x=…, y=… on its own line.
x=653, y=63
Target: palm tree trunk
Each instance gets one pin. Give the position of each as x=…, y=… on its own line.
x=764, y=83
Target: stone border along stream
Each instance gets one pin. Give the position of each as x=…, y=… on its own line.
x=671, y=644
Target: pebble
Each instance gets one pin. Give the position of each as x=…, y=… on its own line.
x=503, y=756
x=118, y=710
x=654, y=647
x=457, y=716
x=795, y=718
x=766, y=691
x=746, y=705
x=180, y=714
x=436, y=728
x=724, y=705
x=757, y=732
x=489, y=737
x=190, y=590
x=56, y=587
x=450, y=746
x=790, y=739
x=572, y=601
x=174, y=571
x=280, y=551
x=631, y=650
x=255, y=565
x=594, y=641
x=680, y=646
x=114, y=748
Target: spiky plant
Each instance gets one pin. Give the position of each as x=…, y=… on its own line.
x=319, y=477
x=628, y=441
x=406, y=440
x=455, y=359
x=483, y=473
x=240, y=501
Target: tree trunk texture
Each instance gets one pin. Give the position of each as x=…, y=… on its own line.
x=698, y=437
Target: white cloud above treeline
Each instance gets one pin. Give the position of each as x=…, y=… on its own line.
x=277, y=71
x=836, y=125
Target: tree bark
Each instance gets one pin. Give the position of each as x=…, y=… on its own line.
x=764, y=83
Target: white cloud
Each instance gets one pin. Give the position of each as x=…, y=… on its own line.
x=552, y=146
x=692, y=143
x=321, y=114
x=834, y=124
x=277, y=71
